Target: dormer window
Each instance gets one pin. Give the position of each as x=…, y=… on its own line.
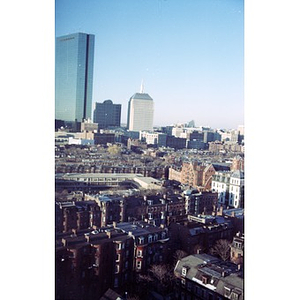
x=184, y=271
x=204, y=279
x=234, y=296
x=227, y=292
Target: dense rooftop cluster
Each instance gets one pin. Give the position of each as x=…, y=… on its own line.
x=129, y=221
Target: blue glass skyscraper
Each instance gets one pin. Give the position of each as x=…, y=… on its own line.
x=74, y=63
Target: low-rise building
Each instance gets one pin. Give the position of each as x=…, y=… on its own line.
x=103, y=138
x=156, y=210
x=199, y=233
x=154, y=138
x=236, y=189
x=149, y=183
x=203, y=276
x=88, y=263
x=230, y=188
x=112, y=209
x=175, y=173
x=196, y=174
x=85, y=180
x=237, y=249
x=176, y=142
x=192, y=173
x=201, y=203
x=215, y=146
x=220, y=184
x=237, y=164
x=150, y=243
x=76, y=215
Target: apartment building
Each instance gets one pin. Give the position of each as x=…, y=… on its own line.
x=150, y=243
x=230, y=188
x=200, y=232
x=201, y=203
x=87, y=264
x=77, y=215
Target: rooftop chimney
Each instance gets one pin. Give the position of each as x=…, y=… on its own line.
x=220, y=212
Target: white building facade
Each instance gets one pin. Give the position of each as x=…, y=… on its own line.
x=230, y=188
x=236, y=189
x=140, y=112
x=220, y=184
x=154, y=138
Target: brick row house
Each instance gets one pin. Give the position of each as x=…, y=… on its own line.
x=196, y=174
x=76, y=215
x=150, y=243
x=200, y=203
x=88, y=262
x=199, y=234
x=87, y=265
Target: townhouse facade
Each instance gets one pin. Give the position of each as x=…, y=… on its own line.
x=230, y=188
x=201, y=203
x=236, y=189
x=199, y=233
x=76, y=215
x=87, y=264
x=220, y=184
x=150, y=243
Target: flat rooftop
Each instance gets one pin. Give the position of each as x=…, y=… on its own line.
x=97, y=175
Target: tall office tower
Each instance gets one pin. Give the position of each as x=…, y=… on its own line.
x=140, y=112
x=107, y=114
x=74, y=63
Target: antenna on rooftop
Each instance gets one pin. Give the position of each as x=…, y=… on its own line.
x=142, y=87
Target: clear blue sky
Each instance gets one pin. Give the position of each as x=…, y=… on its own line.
x=189, y=53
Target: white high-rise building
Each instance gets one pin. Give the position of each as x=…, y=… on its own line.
x=140, y=112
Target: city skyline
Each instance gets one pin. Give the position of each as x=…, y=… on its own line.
x=189, y=55
x=271, y=77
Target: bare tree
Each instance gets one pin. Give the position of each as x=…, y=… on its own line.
x=179, y=254
x=159, y=272
x=163, y=275
x=221, y=249
x=144, y=278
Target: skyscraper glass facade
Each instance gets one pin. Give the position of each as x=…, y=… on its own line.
x=107, y=114
x=74, y=63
